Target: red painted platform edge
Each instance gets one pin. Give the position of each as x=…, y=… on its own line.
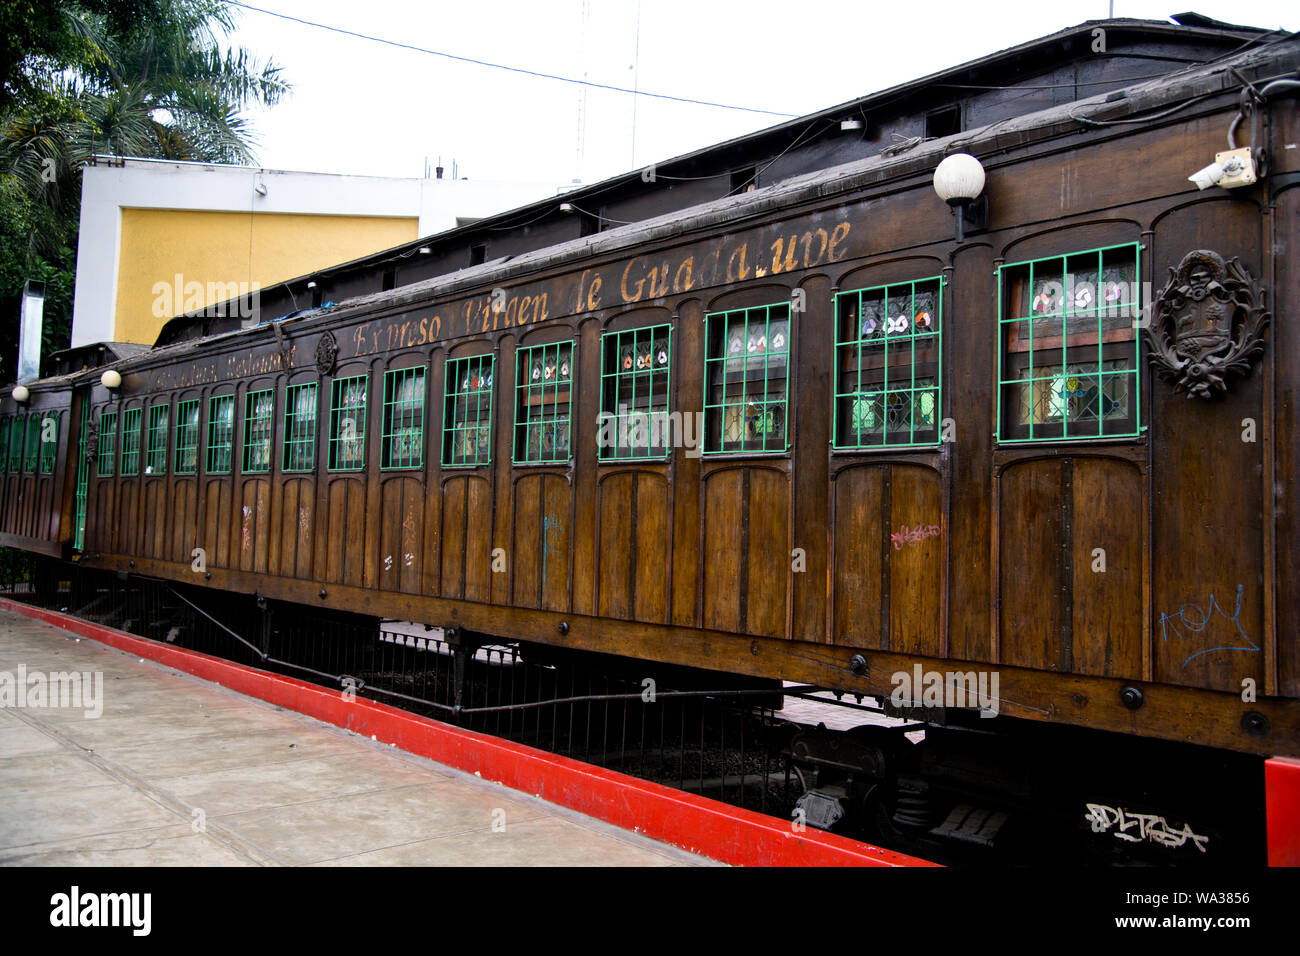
x=707, y=827
x=1282, y=810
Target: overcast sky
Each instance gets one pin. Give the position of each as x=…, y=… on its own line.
x=364, y=107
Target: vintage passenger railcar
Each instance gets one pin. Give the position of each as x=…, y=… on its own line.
x=802, y=433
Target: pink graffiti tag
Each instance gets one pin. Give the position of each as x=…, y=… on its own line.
x=919, y=533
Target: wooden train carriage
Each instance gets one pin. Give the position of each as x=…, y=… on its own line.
x=798, y=433
x=38, y=493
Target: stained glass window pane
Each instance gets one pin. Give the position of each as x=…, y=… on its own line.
x=746, y=374
x=467, y=411
x=131, y=442
x=259, y=410
x=543, y=387
x=347, y=451
x=635, y=373
x=888, y=372
x=1069, y=358
x=403, y=418
x=49, y=442
x=107, y=443
x=300, y=427
x=221, y=434
x=155, y=458
x=187, y=437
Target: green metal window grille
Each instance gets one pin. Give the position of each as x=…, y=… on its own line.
x=635, y=382
x=187, y=437
x=107, y=443
x=1068, y=355
x=83, y=483
x=543, y=396
x=300, y=427
x=746, y=376
x=888, y=368
x=347, y=451
x=467, y=421
x=49, y=442
x=17, y=435
x=259, y=412
x=130, y=442
x=155, y=454
x=221, y=434
x=32, y=451
x=403, y=445
x=5, y=423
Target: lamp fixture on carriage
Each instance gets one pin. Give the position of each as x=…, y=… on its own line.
x=959, y=181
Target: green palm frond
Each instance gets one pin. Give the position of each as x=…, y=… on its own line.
x=166, y=85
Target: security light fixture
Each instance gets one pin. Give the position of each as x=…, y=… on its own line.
x=111, y=380
x=21, y=394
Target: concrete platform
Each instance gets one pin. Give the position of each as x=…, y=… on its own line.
x=179, y=771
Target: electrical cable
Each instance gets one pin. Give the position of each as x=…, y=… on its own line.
x=512, y=69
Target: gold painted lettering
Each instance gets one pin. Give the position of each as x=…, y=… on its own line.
x=686, y=266
x=778, y=264
x=838, y=235
x=659, y=275
x=734, y=272
x=808, y=258
x=640, y=283
x=593, y=294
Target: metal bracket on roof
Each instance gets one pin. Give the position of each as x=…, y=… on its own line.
x=283, y=345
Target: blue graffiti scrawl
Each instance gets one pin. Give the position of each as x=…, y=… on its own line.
x=1193, y=620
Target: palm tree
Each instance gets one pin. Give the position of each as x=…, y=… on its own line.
x=149, y=78
x=165, y=88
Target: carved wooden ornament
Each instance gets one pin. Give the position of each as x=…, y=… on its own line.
x=327, y=351
x=1207, y=324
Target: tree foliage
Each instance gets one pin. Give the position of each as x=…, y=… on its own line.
x=81, y=78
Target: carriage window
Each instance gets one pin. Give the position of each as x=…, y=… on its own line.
x=17, y=432
x=31, y=451
x=1069, y=351
x=221, y=434
x=107, y=443
x=746, y=379
x=187, y=437
x=155, y=456
x=467, y=412
x=300, y=427
x=887, y=365
x=131, y=442
x=49, y=442
x=259, y=410
x=635, y=372
x=543, y=381
x=348, y=424
x=403, y=418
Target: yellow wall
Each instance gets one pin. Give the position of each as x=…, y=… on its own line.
x=226, y=247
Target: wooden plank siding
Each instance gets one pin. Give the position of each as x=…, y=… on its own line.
x=809, y=546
